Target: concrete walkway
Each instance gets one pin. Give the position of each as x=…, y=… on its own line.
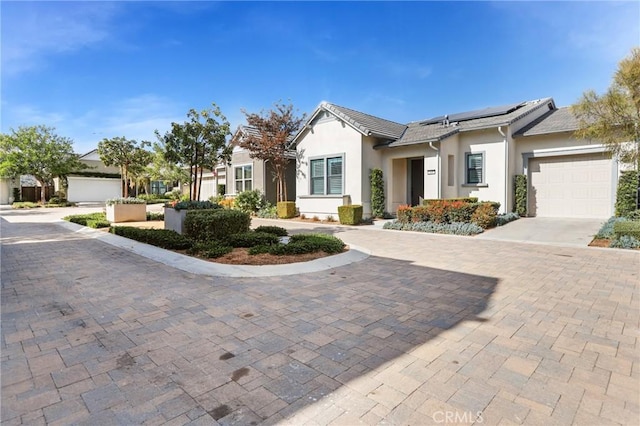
x=428, y=329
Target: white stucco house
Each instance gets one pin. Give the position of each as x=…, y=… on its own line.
x=95, y=184
x=468, y=154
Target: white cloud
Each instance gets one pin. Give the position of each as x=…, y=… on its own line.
x=33, y=31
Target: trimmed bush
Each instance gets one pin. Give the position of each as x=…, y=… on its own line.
x=249, y=201
x=437, y=211
x=634, y=215
x=203, y=225
x=252, y=239
x=92, y=220
x=456, y=228
x=195, y=205
x=503, y=219
x=155, y=216
x=268, y=212
x=259, y=250
x=606, y=231
x=25, y=205
x=309, y=243
x=627, y=227
x=459, y=211
x=485, y=215
x=275, y=230
x=350, y=215
x=163, y=238
x=419, y=214
x=210, y=249
x=520, y=196
x=127, y=200
x=377, y=193
x=626, y=193
x=286, y=209
x=404, y=214
x=625, y=242
x=463, y=199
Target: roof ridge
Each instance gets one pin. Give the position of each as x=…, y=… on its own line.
x=363, y=113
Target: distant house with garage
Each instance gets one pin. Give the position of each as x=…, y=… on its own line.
x=467, y=154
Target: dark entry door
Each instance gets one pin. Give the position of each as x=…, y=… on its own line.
x=416, y=181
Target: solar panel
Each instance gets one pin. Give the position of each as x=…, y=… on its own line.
x=476, y=114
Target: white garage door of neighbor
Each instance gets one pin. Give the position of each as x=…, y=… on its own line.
x=83, y=189
x=577, y=186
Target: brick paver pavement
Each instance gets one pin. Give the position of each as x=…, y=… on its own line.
x=429, y=330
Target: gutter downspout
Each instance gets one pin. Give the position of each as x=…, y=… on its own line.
x=506, y=167
x=439, y=168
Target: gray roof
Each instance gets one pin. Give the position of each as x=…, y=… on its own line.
x=418, y=132
x=557, y=120
x=367, y=124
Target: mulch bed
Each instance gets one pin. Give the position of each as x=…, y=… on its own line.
x=599, y=243
x=241, y=256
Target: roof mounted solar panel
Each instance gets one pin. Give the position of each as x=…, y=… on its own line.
x=476, y=114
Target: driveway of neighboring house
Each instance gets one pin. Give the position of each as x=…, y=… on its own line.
x=430, y=329
x=560, y=231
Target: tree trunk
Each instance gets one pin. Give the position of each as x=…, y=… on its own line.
x=200, y=182
x=43, y=190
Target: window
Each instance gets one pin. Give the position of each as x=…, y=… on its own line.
x=243, y=178
x=326, y=176
x=475, y=166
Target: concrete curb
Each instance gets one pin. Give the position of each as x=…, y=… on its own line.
x=202, y=267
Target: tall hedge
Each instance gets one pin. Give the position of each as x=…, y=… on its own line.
x=206, y=225
x=377, y=193
x=520, y=188
x=627, y=193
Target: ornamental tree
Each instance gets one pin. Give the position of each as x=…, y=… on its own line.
x=271, y=143
x=127, y=154
x=614, y=117
x=198, y=143
x=38, y=151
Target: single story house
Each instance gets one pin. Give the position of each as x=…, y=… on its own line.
x=469, y=154
x=94, y=184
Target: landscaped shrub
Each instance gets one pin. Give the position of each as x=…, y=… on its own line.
x=259, y=250
x=222, y=189
x=25, y=205
x=625, y=242
x=437, y=211
x=626, y=195
x=404, y=214
x=350, y=215
x=163, y=238
x=309, y=243
x=268, y=211
x=210, y=249
x=155, y=216
x=520, y=196
x=154, y=198
x=252, y=239
x=203, y=225
x=503, y=219
x=124, y=200
x=456, y=228
x=463, y=199
x=249, y=201
x=485, y=215
x=286, y=209
x=419, y=214
x=275, y=230
x=194, y=205
x=627, y=227
x=606, y=231
x=92, y=220
x=377, y=193
x=228, y=203
x=16, y=195
x=634, y=215
x=459, y=211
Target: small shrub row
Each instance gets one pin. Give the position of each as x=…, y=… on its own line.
x=505, y=218
x=625, y=242
x=252, y=239
x=483, y=214
x=25, y=205
x=456, y=228
x=463, y=199
x=627, y=228
x=306, y=243
x=164, y=238
x=606, y=231
x=210, y=249
x=155, y=216
x=275, y=230
x=194, y=205
x=123, y=200
x=154, y=198
x=219, y=224
x=92, y=220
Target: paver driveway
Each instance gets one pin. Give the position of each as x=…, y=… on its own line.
x=429, y=330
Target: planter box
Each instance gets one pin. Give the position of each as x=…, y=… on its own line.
x=117, y=213
x=174, y=219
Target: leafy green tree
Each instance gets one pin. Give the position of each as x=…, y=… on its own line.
x=614, y=117
x=163, y=170
x=275, y=129
x=130, y=156
x=37, y=151
x=198, y=143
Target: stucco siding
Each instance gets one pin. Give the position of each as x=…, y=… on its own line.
x=549, y=142
x=242, y=158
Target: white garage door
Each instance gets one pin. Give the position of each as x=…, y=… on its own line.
x=83, y=189
x=577, y=186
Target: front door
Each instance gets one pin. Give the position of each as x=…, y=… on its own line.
x=416, y=180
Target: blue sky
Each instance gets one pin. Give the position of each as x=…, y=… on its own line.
x=105, y=69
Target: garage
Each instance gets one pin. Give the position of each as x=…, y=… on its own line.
x=92, y=189
x=574, y=186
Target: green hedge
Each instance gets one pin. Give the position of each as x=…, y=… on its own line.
x=520, y=196
x=210, y=249
x=252, y=239
x=92, y=220
x=463, y=199
x=195, y=205
x=286, y=209
x=306, y=243
x=627, y=193
x=203, y=225
x=164, y=238
x=377, y=193
x=350, y=215
x=275, y=230
x=486, y=215
x=628, y=227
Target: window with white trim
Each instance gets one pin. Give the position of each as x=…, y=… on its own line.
x=243, y=178
x=326, y=175
x=474, y=168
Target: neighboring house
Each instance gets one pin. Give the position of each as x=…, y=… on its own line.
x=245, y=173
x=94, y=184
x=470, y=154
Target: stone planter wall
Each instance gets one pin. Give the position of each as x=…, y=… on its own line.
x=174, y=219
x=117, y=213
